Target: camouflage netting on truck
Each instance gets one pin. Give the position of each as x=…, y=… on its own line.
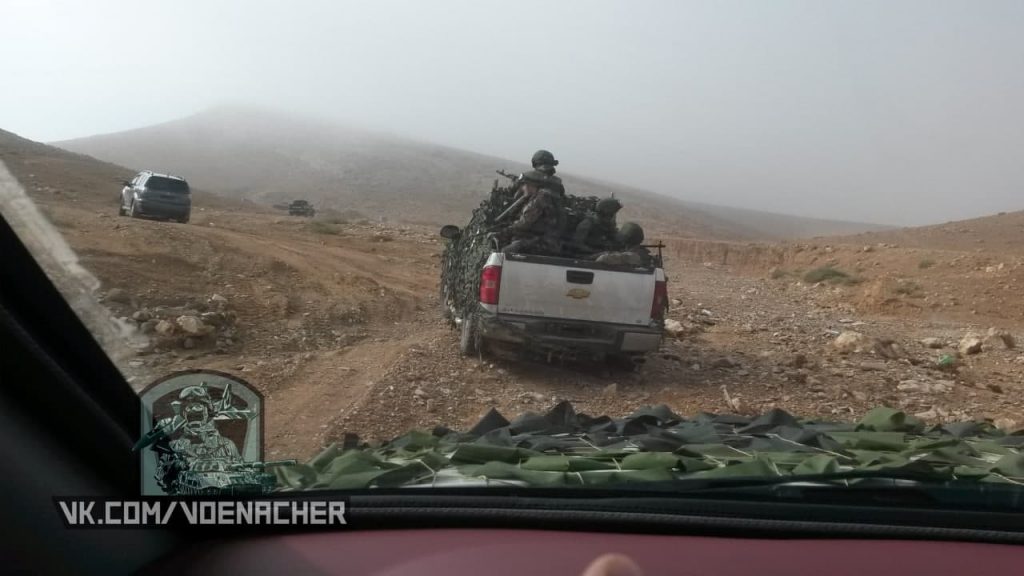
x=564, y=448
x=464, y=257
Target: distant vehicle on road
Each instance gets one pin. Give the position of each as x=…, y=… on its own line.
x=153, y=195
x=301, y=208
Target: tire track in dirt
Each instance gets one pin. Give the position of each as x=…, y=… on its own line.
x=328, y=387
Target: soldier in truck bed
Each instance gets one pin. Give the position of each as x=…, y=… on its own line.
x=598, y=232
x=538, y=228
x=543, y=173
x=631, y=251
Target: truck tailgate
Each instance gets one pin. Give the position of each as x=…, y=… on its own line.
x=570, y=293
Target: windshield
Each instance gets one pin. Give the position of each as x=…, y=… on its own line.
x=163, y=184
x=628, y=244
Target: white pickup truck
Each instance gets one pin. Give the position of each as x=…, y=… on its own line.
x=564, y=304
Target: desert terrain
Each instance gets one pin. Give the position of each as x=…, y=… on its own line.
x=336, y=319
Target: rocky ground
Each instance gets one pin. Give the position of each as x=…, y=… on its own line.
x=739, y=344
x=336, y=321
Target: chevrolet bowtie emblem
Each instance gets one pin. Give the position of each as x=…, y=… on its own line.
x=578, y=293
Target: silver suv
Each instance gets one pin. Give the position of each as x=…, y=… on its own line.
x=157, y=196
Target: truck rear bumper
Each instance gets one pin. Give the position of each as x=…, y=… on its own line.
x=571, y=334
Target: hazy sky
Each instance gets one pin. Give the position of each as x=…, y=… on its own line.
x=889, y=111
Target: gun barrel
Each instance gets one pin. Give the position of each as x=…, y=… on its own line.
x=512, y=208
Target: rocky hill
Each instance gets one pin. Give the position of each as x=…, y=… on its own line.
x=270, y=157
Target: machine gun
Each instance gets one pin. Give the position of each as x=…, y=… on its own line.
x=512, y=177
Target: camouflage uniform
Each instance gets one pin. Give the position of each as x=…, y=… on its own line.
x=598, y=232
x=541, y=222
x=539, y=226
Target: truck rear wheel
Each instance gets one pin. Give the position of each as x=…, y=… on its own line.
x=469, y=337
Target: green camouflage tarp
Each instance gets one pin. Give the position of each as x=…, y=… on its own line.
x=464, y=257
x=564, y=448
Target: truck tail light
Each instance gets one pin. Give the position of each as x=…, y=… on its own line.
x=660, y=303
x=490, y=281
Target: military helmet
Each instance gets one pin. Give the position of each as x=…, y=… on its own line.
x=543, y=158
x=196, y=394
x=608, y=206
x=631, y=234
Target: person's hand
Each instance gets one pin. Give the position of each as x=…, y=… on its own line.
x=613, y=565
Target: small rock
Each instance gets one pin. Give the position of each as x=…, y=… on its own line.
x=117, y=295
x=970, y=344
x=888, y=349
x=677, y=302
x=218, y=300
x=215, y=319
x=934, y=343
x=871, y=366
x=188, y=344
x=164, y=328
x=538, y=397
x=910, y=386
x=1005, y=424
x=927, y=415
x=610, y=390
x=419, y=393
x=149, y=326
x=695, y=367
x=994, y=387
x=193, y=325
x=798, y=361
x=996, y=338
x=141, y=315
x=860, y=396
x=674, y=327
x=849, y=341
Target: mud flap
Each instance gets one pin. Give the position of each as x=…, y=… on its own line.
x=469, y=336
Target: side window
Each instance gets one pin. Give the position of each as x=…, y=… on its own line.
x=141, y=181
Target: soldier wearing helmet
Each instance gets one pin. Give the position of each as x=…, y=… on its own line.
x=201, y=444
x=543, y=173
x=598, y=231
x=538, y=228
x=631, y=239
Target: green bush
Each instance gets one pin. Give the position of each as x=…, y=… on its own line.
x=830, y=275
x=926, y=263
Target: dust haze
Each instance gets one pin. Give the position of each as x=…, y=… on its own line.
x=900, y=113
